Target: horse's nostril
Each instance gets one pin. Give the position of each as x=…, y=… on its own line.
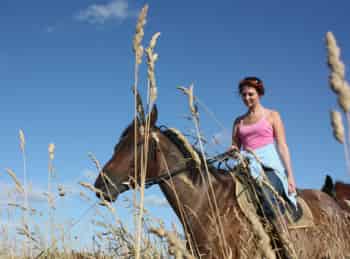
x=99, y=195
x=107, y=198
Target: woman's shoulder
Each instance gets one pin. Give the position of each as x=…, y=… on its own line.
x=238, y=119
x=272, y=113
x=273, y=116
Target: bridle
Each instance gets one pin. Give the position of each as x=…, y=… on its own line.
x=186, y=165
x=168, y=175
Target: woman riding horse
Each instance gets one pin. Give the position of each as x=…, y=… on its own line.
x=261, y=130
x=224, y=231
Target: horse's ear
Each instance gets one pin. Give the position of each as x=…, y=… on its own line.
x=154, y=116
x=139, y=106
x=328, y=186
x=136, y=121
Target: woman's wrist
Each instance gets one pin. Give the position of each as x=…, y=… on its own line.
x=290, y=177
x=234, y=147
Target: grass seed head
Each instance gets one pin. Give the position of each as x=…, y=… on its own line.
x=12, y=174
x=336, y=83
x=344, y=99
x=95, y=161
x=337, y=126
x=189, y=92
x=137, y=47
x=89, y=186
x=51, y=150
x=22, y=140
x=151, y=59
x=334, y=61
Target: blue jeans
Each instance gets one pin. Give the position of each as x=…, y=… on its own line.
x=269, y=200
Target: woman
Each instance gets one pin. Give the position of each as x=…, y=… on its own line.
x=261, y=130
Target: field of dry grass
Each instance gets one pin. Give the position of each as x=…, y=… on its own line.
x=40, y=236
x=30, y=239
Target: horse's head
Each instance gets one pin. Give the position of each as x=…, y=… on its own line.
x=123, y=170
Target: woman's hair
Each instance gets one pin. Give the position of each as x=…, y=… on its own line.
x=254, y=82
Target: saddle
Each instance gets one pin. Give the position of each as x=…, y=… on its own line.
x=247, y=203
x=279, y=226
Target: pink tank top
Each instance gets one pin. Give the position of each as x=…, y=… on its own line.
x=256, y=135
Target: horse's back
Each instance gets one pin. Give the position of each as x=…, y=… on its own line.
x=320, y=203
x=342, y=195
x=331, y=232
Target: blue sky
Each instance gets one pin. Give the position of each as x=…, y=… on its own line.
x=66, y=69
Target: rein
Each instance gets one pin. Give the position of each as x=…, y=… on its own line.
x=189, y=164
x=167, y=175
x=164, y=176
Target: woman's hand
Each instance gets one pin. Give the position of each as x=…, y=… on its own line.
x=233, y=148
x=291, y=185
x=232, y=151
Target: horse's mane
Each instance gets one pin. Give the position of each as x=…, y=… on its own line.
x=181, y=142
x=185, y=147
x=189, y=151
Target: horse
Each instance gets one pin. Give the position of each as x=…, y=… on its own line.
x=205, y=201
x=340, y=191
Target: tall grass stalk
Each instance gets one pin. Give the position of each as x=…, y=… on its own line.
x=210, y=193
x=25, y=184
x=187, y=230
x=110, y=247
x=340, y=87
x=215, y=210
x=347, y=143
x=11, y=221
x=151, y=58
x=138, y=51
x=50, y=231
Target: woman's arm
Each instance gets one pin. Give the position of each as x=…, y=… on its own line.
x=283, y=149
x=236, y=144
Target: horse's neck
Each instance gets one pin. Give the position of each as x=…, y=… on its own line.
x=191, y=191
x=182, y=188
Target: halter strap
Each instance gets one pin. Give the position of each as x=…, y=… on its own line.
x=167, y=175
x=186, y=164
x=189, y=164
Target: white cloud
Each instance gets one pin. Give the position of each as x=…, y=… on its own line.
x=100, y=13
x=156, y=201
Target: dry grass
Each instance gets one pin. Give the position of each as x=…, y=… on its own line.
x=112, y=239
x=53, y=240
x=341, y=88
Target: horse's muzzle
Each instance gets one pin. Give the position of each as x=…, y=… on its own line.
x=105, y=196
x=111, y=194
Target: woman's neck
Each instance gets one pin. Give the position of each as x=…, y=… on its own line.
x=257, y=109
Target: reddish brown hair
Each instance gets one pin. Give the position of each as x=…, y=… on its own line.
x=254, y=82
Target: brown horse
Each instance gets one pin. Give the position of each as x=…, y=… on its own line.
x=339, y=191
x=195, y=192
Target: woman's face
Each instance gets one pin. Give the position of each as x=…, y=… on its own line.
x=250, y=96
